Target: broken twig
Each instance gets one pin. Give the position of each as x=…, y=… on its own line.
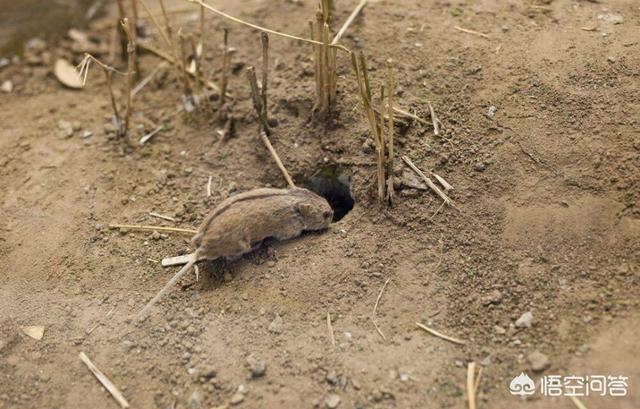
x=428, y=181
x=375, y=309
x=158, y=228
x=106, y=382
x=330, y=328
x=440, y=335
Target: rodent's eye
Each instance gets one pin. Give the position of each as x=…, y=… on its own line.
x=326, y=214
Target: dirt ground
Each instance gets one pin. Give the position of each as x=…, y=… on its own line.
x=539, y=137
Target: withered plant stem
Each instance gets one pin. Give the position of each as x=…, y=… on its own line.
x=390, y=136
x=226, y=60
x=129, y=29
x=172, y=60
x=257, y=100
x=263, y=29
x=186, y=84
x=347, y=23
x=167, y=23
x=257, y=104
x=156, y=23
x=265, y=72
x=134, y=10
x=121, y=34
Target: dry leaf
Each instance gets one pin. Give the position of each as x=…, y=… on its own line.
x=35, y=332
x=67, y=74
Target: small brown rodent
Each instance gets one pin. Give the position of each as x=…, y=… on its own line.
x=242, y=221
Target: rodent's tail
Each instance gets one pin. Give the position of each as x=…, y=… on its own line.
x=184, y=270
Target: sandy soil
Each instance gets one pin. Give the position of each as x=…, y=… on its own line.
x=546, y=182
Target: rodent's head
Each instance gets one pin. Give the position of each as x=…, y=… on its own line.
x=315, y=211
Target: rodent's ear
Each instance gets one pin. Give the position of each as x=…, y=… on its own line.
x=305, y=209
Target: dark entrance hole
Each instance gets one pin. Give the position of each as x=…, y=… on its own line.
x=333, y=182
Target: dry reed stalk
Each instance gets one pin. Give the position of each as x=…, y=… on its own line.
x=264, y=38
x=325, y=60
x=434, y=120
x=263, y=29
x=440, y=335
x=428, y=181
x=167, y=23
x=105, y=381
x=375, y=309
x=129, y=29
x=156, y=23
x=83, y=72
x=199, y=72
x=330, y=328
x=257, y=105
x=187, y=92
x=375, y=127
x=163, y=217
x=121, y=34
x=172, y=61
x=471, y=385
x=578, y=404
x=151, y=228
x=390, y=137
x=226, y=62
x=200, y=49
x=257, y=99
x=347, y=23
x=136, y=21
x=364, y=91
x=477, y=33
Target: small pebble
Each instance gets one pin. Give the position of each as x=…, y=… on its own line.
x=7, y=87
x=525, y=320
x=276, y=325
x=479, y=166
x=332, y=401
x=538, y=361
x=236, y=399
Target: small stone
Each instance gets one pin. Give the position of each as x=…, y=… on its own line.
x=332, y=401
x=236, y=399
x=491, y=111
x=538, y=361
x=195, y=399
x=611, y=18
x=479, y=166
x=494, y=297
x=258, y=367
x=525, y=320
x=127, y=345
x=86, y=134
x=209, y=373
x=66, y=128
x=7, y=86
x=276, y=325
x=499, y=330
x=367, y=146
x=155, y=235
x=332, y=378
x=273, y=122
x=486, y=361
x=376, y=395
